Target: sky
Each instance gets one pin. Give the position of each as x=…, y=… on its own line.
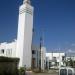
x=54, y=18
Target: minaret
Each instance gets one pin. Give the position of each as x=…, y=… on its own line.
x=24, y=36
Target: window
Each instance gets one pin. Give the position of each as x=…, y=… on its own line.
x=9, y=52
x=33, y=62
x=33, y=52
x=54, y=59
x=2, y=51
x=63, y=58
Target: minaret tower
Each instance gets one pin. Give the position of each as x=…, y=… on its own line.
x=24, y=36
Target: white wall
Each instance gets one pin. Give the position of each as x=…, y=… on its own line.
x=57, y=55
x=9, y=49
x=43, y=58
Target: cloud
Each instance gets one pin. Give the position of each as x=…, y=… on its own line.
x=71, y=51
x=73, y=44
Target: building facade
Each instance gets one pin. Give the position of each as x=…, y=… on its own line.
x=8, y=49
x=43, y=58
x=55, y=60
x=35, y=57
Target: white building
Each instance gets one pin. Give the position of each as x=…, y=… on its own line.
x=8, y=49
x=43, y=58
x=70, y=55
x=55, y=60
x=22, y=47
x=24, y=37
x=36, y=57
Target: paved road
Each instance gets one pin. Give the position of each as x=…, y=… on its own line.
x=31, y=73
x=44, y=74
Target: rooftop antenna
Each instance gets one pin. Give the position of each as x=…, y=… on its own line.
x=42, y=37
x=41, y=45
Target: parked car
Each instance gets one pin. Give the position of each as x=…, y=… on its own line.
x=66, y=71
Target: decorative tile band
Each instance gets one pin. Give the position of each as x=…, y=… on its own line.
x=27, y=10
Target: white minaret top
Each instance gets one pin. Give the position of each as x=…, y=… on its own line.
x=26, y=1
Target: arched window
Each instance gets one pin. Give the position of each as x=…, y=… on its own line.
x=2, y=51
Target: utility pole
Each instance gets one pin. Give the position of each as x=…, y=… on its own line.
x=40, y=54
x=41, y=44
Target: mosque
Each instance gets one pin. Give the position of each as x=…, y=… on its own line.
x=22, y=47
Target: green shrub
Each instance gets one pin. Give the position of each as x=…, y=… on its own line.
x=22, y=71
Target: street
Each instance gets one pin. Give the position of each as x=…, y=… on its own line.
x=44, y=74
x=50, y=72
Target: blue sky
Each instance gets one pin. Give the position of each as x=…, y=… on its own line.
x=55, y=17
